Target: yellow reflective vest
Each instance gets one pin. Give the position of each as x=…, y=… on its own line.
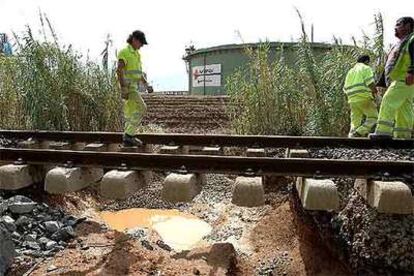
x=357, y=83
x=133, y=65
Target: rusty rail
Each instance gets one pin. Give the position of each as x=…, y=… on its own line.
x=210, y=140
x=214, y=164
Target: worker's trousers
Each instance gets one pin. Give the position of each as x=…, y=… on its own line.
x=134, y=111
x=364, y=115
x=396, y=114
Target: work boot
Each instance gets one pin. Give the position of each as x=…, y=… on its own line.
x=377, y=136
x=131, y=141
x=354, y=134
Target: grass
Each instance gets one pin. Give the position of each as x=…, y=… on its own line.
x=271, y=96
x=51, y=86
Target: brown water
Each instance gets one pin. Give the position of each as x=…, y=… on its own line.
x=179, y=230
x=138, y=217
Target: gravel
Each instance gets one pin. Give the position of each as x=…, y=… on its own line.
x=149, y=197
x=376, y=243
x=34, y=229
x=275, y=266
x=6, y=143
x=20, y=204
x=373, y=243
x=7, y=250
x=363, y=154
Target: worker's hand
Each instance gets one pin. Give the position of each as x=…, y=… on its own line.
x=409, y=80
x=150, y=89
x=124, y=93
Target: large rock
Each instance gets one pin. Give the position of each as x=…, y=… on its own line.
x=20, y=204
x=64, y=234
x=7, y=251
x=52, y=226
x=222, y=257
x=9, y=223
x=23, y=221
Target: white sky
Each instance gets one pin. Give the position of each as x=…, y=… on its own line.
x=171, y=25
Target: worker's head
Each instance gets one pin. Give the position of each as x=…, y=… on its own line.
x=364, y=59
x=137, y=39
x=404, y=27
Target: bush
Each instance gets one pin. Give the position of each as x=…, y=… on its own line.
x=50, y=86
x=270, y=96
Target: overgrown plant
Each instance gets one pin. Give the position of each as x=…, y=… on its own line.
x=51, y=86
x=304, y=97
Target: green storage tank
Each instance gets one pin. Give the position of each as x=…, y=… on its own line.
x=208, y=68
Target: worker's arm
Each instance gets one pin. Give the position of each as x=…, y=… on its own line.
x=145, y=82
x=120, y=71
x=410, y=75
x=373, y=89
x=370, y=80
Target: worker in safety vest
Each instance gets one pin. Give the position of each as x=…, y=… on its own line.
x=396, y=112
x=130, y=76
x=360, y=90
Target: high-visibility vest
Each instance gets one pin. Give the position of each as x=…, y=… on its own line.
x=133, y=65
x=399, y=72
x=357, y=82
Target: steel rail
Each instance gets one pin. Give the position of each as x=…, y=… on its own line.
x=214, y=164
x=258, y=141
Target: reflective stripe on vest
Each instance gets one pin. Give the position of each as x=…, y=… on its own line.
x=357, y=79
x=400, y=129
x=350, y=93
x=369, y=80
x=131, y=72
x=371, y=121
x=353, y=86
x=386, y=123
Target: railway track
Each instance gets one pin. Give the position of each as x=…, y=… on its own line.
x=182, y=163
x=255, y=141
x=74, y=167
x=206, y=163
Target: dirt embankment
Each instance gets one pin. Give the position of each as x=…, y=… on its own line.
x=257, y=241
x=190, y=114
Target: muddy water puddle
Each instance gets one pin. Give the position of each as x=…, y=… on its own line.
x=179, y=230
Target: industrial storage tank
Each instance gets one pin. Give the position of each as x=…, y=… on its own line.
x=209, y=68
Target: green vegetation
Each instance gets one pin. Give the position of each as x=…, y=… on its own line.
x=273, y=97
x=50, y=86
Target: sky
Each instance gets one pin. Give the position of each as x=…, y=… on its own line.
x=171, y=25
